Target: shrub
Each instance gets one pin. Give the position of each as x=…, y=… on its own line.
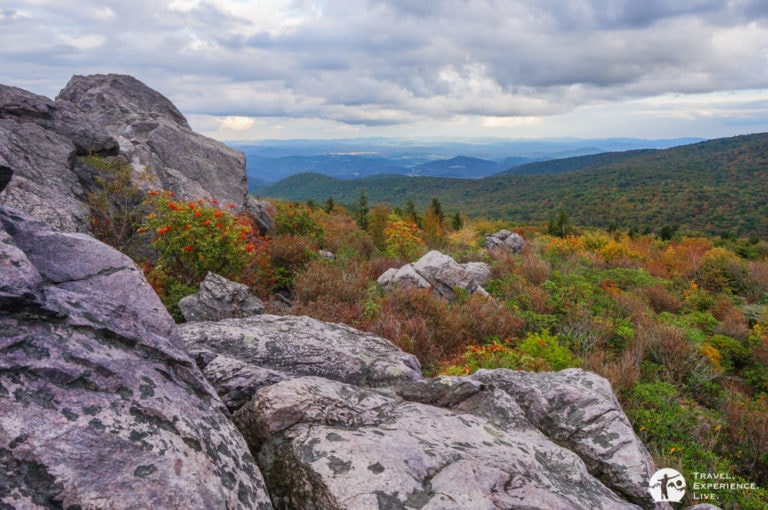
x=544, y=346
x=193, y=238
x=332, y=291
x=660, y=299
x=421, y=324
x=116, y=204
x=402, y=239
x=722, y=271
x=747, y=429
x=296, y=220
x=498, y=354
x=289, y=254
x=435, y=330
x=668, y=346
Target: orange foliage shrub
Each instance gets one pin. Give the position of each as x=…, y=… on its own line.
x=678, y=258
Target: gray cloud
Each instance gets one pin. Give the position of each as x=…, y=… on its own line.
x=381, y=62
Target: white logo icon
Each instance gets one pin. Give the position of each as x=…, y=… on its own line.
x=667, y=485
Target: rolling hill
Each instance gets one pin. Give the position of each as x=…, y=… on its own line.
x=270, y=161
x=716, y=187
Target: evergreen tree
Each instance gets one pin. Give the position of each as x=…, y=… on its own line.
x=457, y=222
x=362, y=210
x=411, y=214
x=560, y=226
x=437, y=209
x=329, y=205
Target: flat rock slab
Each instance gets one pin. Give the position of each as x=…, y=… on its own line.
x=305, y=346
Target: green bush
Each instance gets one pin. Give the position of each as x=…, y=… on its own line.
x=193, y=238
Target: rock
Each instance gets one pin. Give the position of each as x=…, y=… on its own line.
x=100, y=404
x=405, y=276
x=326, y=254
x=35, y=149
x=235, y=381
x=327, y=444
x=506, y=240
x=5, y=174
x=218, y=299
x=480, y=271
x=434, y=270
x=579, y=410
x=109, y=115
x=304, y=346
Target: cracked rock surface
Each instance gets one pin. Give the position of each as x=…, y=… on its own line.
x=331, y=445
x=100, y=404
x=341, y=419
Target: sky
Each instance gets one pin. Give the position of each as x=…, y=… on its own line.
x=280, y=69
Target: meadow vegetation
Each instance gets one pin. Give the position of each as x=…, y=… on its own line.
x=678, y=325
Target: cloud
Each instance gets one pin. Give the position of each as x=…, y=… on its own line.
x=393, y=62
x=236, y=123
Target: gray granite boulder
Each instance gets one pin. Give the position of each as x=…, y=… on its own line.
x=506, y=240
x=446, y=443
x=437, y=271
x=100, y=404
x=304, y=346
x=578, y=409
x=218, y=299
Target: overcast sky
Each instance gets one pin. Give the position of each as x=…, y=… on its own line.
x=241, y=69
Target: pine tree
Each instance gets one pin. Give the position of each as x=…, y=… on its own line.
x=560, y=226
x=411, y=214
x=362, y=210
x=457, y=222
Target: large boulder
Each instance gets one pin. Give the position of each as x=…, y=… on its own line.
x=578, y=409
x=40, y=155
x=100, y=404
x=109, y=115
x=341, y=419
x=445, y=443
x=304, y=346
x=439, y=272
x=219, y=298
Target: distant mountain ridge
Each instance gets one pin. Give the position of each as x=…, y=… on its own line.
x=716, y=187
x=272, y=160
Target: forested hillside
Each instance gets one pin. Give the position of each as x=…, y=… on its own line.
x=716, y=187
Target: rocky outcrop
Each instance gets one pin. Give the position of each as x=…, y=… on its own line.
x=439, y=272
x=304, y=346
x=578, y=410
x=219, y=298
x=100, y=404
x=109, y=115
x=447, y=443
x=340, y=419
x=505, y=240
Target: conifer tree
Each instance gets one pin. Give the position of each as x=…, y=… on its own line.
x=362, y=210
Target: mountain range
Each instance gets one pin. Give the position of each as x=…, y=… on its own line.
x=270, y=161
x=714, y=187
